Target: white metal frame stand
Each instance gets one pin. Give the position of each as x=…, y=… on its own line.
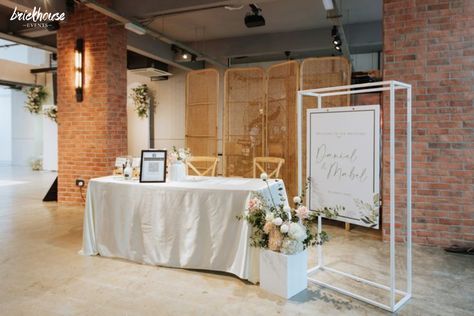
x=391, y=86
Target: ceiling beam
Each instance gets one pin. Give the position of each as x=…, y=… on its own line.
x=157, y=36
x=27, y=41
x=147, y=46
x=363, y=37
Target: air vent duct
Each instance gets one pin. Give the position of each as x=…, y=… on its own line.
x=145, y=66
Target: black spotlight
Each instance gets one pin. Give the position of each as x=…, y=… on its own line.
x=336, y=39
x=254, y=19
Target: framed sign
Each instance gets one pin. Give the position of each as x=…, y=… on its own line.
x=344, y=162
x=153, y=166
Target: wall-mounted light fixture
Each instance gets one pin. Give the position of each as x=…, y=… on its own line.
x=78, y=69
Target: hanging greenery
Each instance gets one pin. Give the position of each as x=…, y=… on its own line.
x=35, y=98
x=141, y=99
x=52, y=113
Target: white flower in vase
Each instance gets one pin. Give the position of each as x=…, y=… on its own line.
x=269, y=217
x=278, y=221
x=297, y=200
x=297, y=232
x=264, y=176
x=284, y=228
x=290, y=246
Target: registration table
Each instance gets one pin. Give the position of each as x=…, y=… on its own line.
x=188, y=224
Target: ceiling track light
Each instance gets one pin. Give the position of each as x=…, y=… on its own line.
x=336, y=39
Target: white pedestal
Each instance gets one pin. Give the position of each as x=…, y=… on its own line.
x=283, y=275
x=177, y=171
x=50, y=143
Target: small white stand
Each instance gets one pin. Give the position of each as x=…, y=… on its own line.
x=283, y=275
x=391, y=86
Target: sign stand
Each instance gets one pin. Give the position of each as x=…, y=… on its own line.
x=391, y=86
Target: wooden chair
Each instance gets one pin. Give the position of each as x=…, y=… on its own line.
x=208, y=171
x=259, y=162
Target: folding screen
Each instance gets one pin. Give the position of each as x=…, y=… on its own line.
x=320, y=73
x=282, y=85
x=244, y=109
x=202, y=88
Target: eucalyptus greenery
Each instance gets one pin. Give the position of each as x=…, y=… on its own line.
x=35, y=98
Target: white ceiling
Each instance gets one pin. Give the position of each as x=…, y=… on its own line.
x=280, y=16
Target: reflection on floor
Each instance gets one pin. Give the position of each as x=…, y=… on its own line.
x=42, y=274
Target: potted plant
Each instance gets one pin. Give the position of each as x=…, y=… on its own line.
x=283, y=233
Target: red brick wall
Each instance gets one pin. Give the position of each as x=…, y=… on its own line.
x=93, y=132
x=430, y=44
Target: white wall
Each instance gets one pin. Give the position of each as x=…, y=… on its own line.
x=169, y=114
x=27, y=132
x=5, y=126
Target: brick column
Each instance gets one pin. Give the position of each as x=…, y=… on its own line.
x=430, y=44
x=93, y=132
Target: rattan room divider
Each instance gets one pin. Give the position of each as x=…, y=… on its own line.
x=244, y=113
x=259, y=117
x=280, y=131
x=202, y=90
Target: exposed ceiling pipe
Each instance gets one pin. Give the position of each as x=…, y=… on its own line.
x=116, y=16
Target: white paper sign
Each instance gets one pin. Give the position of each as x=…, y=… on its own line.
x=344, y=162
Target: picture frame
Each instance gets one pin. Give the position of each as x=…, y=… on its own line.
x=153, y=166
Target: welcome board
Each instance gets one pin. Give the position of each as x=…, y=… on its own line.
x=344, y=162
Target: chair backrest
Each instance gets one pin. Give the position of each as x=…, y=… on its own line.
x=259, y=165
x=208, y=170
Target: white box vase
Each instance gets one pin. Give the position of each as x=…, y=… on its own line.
x=283, y=275
x=177, y=171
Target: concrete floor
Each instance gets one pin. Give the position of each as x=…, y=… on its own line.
x=42, y=274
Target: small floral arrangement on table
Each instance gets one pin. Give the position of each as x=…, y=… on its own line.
x=35, y=97
x=52, y=113
x=179, y=155
x=141, y=98
x=281, y=228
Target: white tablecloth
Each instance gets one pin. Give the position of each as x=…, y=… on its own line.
x=190, y=224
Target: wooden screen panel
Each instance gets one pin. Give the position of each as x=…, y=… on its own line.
x=321, y=73
x=282, y=85
x=244, y=108
x=202, y=88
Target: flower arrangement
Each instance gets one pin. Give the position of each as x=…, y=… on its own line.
x=52, y=112
x=179, y=155
x=281, y=228
x=35, y=98
x=141, y=98
x=36, y=164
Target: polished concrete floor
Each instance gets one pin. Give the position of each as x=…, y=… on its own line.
x=41, y=272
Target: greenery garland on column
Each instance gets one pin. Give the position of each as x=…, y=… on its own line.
x=35, y=98
x=141, y=97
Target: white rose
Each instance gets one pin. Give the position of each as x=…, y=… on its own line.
x=297, y=199
x=269, y=217
x=287, y=209
x=182, y=155
x=284, y=228
x=297, y=232
x=278, y=221
x=264, y=176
